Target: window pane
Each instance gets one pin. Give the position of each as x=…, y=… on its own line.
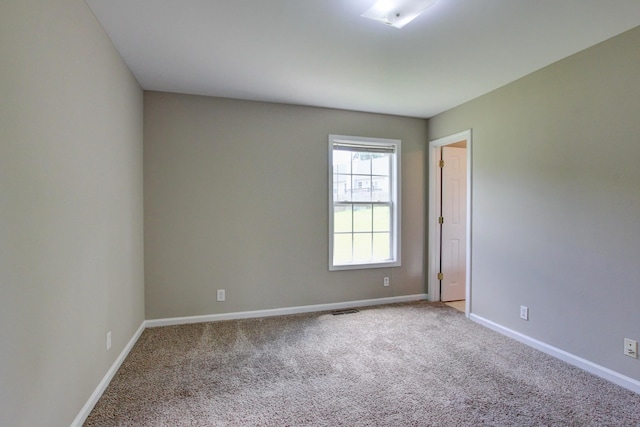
x=342, y=215
x=362, y=218
x=380, y=191
x=342, y=184
x=342, y=245
x=381, y=218
x=341, y=162
x=361, y=188
x=381, y=164
x=362, y=247
x=361, y=163
x=381, y=246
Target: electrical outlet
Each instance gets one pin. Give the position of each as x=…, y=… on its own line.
x=109, y=340
x=220, y=295
x=524, y=312
x=631, y=348
x=386, y=281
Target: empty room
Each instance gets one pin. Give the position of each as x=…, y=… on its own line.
x=319, y=213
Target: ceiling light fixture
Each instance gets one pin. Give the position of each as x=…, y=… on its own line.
x=397, y=13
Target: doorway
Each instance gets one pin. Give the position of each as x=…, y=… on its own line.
x=449, y=240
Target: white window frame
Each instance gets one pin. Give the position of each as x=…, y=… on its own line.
x=395, y=188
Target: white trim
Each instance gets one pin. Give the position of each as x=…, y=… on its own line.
x=281, y=311
x=593, y=368
x=396, y=204
x=434, y=254
x=102, y=386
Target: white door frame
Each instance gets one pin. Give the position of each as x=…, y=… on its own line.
x=433, y=288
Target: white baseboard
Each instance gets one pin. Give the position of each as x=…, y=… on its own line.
x=598, y=370
x=281, y=311
x=102, y=386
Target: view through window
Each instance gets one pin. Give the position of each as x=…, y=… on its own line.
x=364, y=202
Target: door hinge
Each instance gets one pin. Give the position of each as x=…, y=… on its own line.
x=440, y=276
x=441, y=164
x=440, y=220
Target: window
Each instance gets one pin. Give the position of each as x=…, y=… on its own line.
x=364, y=205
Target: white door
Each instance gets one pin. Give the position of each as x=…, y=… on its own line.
x=454, y=222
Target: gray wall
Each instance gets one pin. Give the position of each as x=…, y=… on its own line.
x=556, y=201
x=236, y=198
x=71, y=263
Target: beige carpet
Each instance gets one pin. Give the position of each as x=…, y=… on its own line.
x=414, y=364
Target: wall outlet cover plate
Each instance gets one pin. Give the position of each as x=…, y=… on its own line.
x=631, y=348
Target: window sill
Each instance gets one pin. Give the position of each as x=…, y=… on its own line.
x=385, y=264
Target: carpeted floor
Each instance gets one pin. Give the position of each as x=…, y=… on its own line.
x=414, y=364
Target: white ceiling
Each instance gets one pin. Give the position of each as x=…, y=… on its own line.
x=322, y=53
